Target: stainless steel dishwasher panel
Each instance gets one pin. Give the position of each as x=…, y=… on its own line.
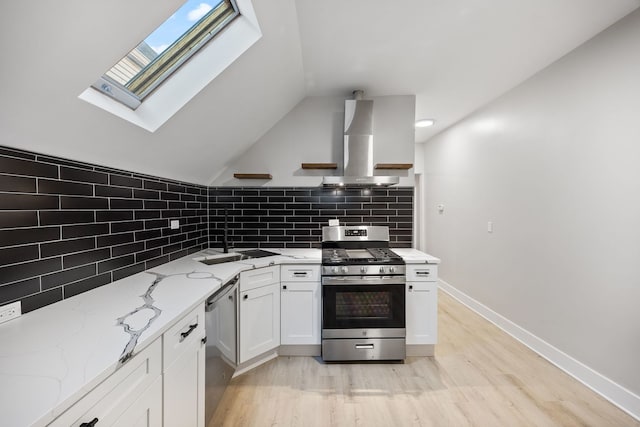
x=221, y=348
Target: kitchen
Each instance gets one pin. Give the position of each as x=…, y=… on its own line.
x=566, y=119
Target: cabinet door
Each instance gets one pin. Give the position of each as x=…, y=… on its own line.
x=259, y=277
x=112, y=398
x=259, y=321
x=300, y=313
x=225, y=333
x=422, y=312
x=146, y=411
x=184, y=388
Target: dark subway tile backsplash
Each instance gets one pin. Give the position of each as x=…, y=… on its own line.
x=293, y=217
x=21, y=236
x=17, y=166
x=13, y=201
x=67, y=227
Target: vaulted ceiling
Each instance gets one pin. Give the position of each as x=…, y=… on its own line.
x=454, y=55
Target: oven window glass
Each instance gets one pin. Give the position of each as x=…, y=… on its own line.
x=363, y=306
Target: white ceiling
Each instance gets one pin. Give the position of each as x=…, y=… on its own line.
x=454, y=55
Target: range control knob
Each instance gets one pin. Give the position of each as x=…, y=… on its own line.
x=381, y=269
x=334, y=269
x=392, y=269
x=345, y=269
x=363, y=269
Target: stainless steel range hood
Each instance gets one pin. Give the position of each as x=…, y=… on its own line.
x=358, y=147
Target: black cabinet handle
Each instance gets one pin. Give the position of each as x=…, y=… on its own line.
x=230, y=297
x=284, y=287
x=410, y=287
x=203, y=340
x=188, y=332
x=245, y=297
x=91, y=423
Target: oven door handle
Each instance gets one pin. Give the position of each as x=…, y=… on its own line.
x=364, y=280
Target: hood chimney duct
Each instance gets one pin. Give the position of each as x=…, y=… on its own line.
x=358, y=146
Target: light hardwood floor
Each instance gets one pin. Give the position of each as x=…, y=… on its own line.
x=479, y=376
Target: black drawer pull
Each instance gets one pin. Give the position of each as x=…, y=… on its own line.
x=284, y=287
x=246, y=297
x=410, y=287
x=300, y=273
x=91, y=423
x=188, y=332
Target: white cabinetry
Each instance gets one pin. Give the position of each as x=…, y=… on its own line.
x=131, y=396
x=225, y=325
x=259, y=312
x=300, y=304
x=146, y=411
x=422, y=304
x=184, y=362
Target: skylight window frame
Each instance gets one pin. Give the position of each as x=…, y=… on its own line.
x=124, y=95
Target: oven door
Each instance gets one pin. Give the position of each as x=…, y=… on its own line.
x=373, y=306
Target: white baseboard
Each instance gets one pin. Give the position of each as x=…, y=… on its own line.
x=613, y=392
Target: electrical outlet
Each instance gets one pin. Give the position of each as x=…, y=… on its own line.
x=10, y=311
x=174, y=224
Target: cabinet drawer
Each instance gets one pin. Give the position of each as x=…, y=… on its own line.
x=300, y=273
x=112, y=398
x=259, y=277
x=422, y=273
x=180, y=336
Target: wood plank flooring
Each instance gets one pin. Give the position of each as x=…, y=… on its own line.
x=479, y=376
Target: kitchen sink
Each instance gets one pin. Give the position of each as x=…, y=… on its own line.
x=220, y=260
x=237, y=256
x=256, y=253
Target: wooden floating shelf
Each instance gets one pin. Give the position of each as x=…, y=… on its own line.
x=403, y=166
x=252, y=175
x=319, y=166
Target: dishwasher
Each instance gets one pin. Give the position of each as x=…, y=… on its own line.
x=222, y=345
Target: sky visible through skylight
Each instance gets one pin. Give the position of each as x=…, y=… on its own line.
x=181, y=21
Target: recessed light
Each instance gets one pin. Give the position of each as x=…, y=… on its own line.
x=424, y=123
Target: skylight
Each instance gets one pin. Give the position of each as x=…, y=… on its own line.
x=160, y=54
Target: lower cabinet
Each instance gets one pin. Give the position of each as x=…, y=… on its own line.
x=131, y=396
x=300, y=313
x=146, y=411
x=183, y=377
x=422, y=312
x=259, y=320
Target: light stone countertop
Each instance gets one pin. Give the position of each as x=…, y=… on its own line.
x=53, y=356
x=414, y=256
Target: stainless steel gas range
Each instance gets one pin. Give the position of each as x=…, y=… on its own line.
x=363, y=295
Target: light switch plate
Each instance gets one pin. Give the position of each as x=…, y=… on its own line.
x=174, y=224
x=10, y=311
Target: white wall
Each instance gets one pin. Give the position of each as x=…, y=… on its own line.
x=555, y=165
x=312, y=132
